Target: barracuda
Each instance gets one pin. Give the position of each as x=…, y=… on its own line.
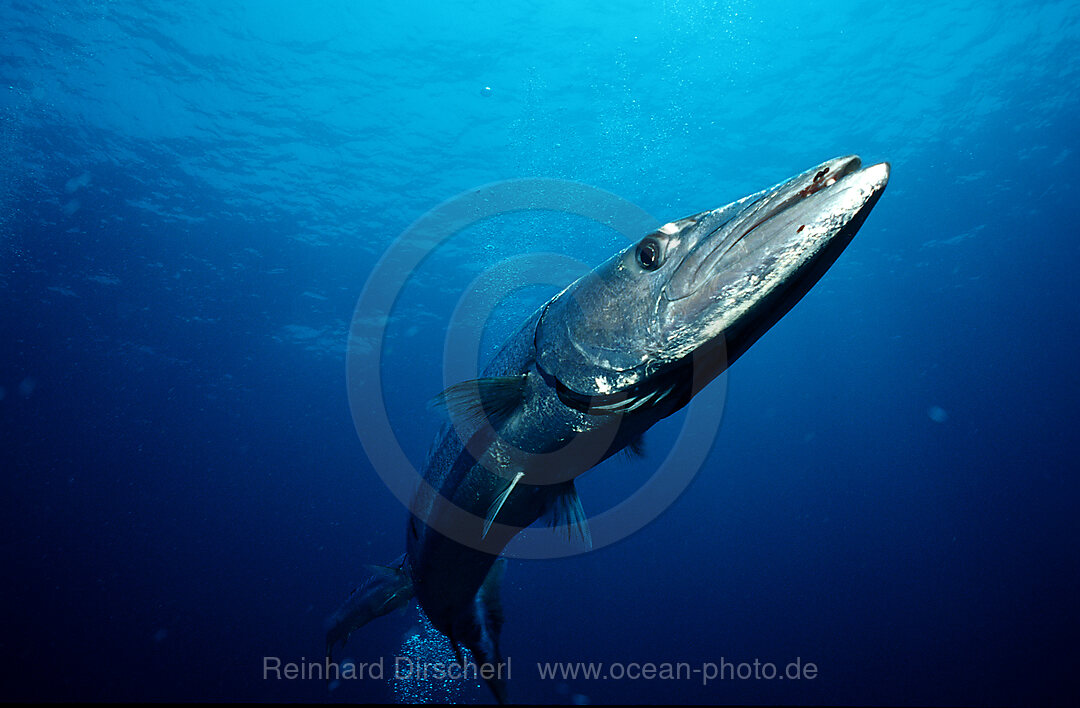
x=586, y=375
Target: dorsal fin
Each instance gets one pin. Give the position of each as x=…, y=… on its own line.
x=395, y=571
x=565, y=509
x=495, y=398
x=382, y=571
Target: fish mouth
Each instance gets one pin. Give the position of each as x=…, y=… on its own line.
x=805, y=195
x=824, y=178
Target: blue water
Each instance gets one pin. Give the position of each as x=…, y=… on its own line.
x=193, y=196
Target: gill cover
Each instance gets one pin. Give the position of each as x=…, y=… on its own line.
x=606, y=333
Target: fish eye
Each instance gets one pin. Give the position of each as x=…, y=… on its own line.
x=649, y=254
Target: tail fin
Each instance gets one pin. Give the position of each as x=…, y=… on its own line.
x=387, y=589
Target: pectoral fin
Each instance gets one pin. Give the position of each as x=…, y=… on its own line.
x=496, y=505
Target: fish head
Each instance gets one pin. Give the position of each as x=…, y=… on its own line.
x=699, y=291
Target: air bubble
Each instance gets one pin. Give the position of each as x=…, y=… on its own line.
x=424, y=646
